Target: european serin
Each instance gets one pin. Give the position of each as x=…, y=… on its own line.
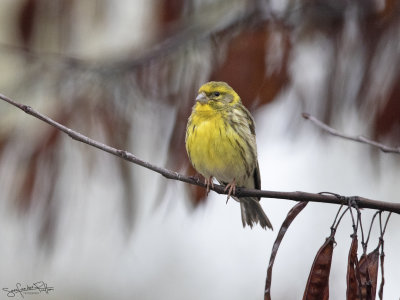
x=221, y=143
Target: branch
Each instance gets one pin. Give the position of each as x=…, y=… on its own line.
x=240, y=192
x=192, y=28
x=360, y=138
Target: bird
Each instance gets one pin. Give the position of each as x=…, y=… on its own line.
x=221, y=143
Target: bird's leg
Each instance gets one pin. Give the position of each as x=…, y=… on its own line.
x=208, y=182
x=231, y=187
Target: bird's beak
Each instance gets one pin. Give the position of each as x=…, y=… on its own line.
x=202, y=98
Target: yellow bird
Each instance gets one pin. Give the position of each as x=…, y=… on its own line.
x=221, y=143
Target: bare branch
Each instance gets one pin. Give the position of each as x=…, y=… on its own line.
x=240, y=192
x=359, y=138
x=193, y=28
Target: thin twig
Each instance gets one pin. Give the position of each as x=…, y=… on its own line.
x=369, y=232
x=360, y=138
x=340, y=219
x=337, y=214
x=361, y=227
x=387, y=220
x=382, y=255
x=350, y=200
x=220, y=189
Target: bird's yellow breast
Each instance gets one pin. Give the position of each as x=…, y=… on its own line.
x=214, y=148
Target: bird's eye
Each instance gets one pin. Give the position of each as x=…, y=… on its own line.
x=216, y=94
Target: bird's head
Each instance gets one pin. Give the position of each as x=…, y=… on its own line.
x=217, y=95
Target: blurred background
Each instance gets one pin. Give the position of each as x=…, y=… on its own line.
x=126, y=74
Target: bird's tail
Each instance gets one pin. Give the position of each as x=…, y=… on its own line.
x=252, y=213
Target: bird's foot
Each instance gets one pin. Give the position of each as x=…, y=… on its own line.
x=209, y=182
x=231, y=187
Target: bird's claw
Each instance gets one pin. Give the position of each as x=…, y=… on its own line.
x=231, y=187
x=209, y=182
